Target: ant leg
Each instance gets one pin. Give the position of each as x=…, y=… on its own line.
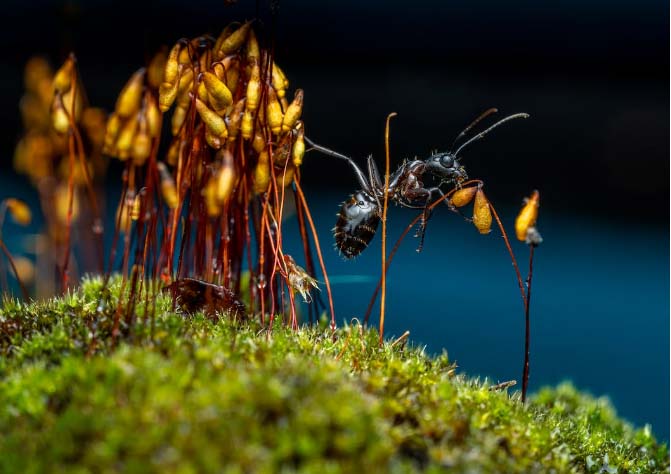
x=426, y=212
x=451, y=206
x=361, y=177
x=374, y=180
x=421, y=231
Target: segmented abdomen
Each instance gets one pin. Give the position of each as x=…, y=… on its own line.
x=357, y=223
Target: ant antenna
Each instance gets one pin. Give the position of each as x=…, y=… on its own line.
x=361, y=177
x=485, y=132
x=483, y=115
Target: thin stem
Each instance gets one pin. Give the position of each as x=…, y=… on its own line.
x=384, y=225
x=24, y=291
x=527, y=335
x=520, y=282
x=304, y=203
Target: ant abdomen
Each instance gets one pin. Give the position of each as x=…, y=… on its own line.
x=357, y=223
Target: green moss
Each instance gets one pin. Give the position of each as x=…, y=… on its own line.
x=189, y=395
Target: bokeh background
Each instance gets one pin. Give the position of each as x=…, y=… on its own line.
x=594, y=75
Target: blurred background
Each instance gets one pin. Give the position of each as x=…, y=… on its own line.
x=593, y=75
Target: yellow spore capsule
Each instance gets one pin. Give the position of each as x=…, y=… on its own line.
x=33, y=112
x=19, y=211
x=254, y=88
x=156, y=68
x=136, y=208
x=253, y=51
x=171, y=71
x=212, y=140
x=262, y=173
x=235, y=119
x=220, y=96
x=280, y=73
x=178, y=118
x=463, y=196
x=168, y=189
x=167, y=94
x=111, y=133
x=126, y=137
x=213, y=121
x=225, y=177
x=62, y=202
x=482, y=215
x=298, y=149
x=527, y=216
x=274, y=113
x=278, y=81
x=94, y=122
x=130, y=97
x=37, y=70
x=293, y=112
x=73, y=102
x=259, y=142
x=225, y=33
x=235, y=40
x=287, y=177
x=77, y=173
x=60, y=120
x=202, y=93
x=63, y=77
x=232, y=76
x=209, y=194
x=247, y=125
x=123, y=214
x=173, y=152
x=185, y=84
x=153, y=116
x=25, y=269
x=141, y=142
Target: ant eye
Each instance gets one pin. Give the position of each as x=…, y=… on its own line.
x=360, y=203
x=447, y=161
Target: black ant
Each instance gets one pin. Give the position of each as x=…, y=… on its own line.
x=360, y=215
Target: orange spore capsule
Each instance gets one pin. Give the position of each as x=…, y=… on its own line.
x=463, y=196
x=527, y=216
x=19, y=211
x=482, y=215
x=130, y=97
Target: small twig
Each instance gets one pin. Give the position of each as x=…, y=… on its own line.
x=503, y=385
x=403, y=338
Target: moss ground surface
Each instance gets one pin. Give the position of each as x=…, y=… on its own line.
x=186, y=394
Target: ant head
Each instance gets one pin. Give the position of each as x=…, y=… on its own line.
x=446, y=166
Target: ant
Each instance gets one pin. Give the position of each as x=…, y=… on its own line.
x=360, y=215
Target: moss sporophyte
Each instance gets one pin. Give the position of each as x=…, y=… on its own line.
x=188, y=354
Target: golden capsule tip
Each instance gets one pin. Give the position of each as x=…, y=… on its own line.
x=526, y=220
